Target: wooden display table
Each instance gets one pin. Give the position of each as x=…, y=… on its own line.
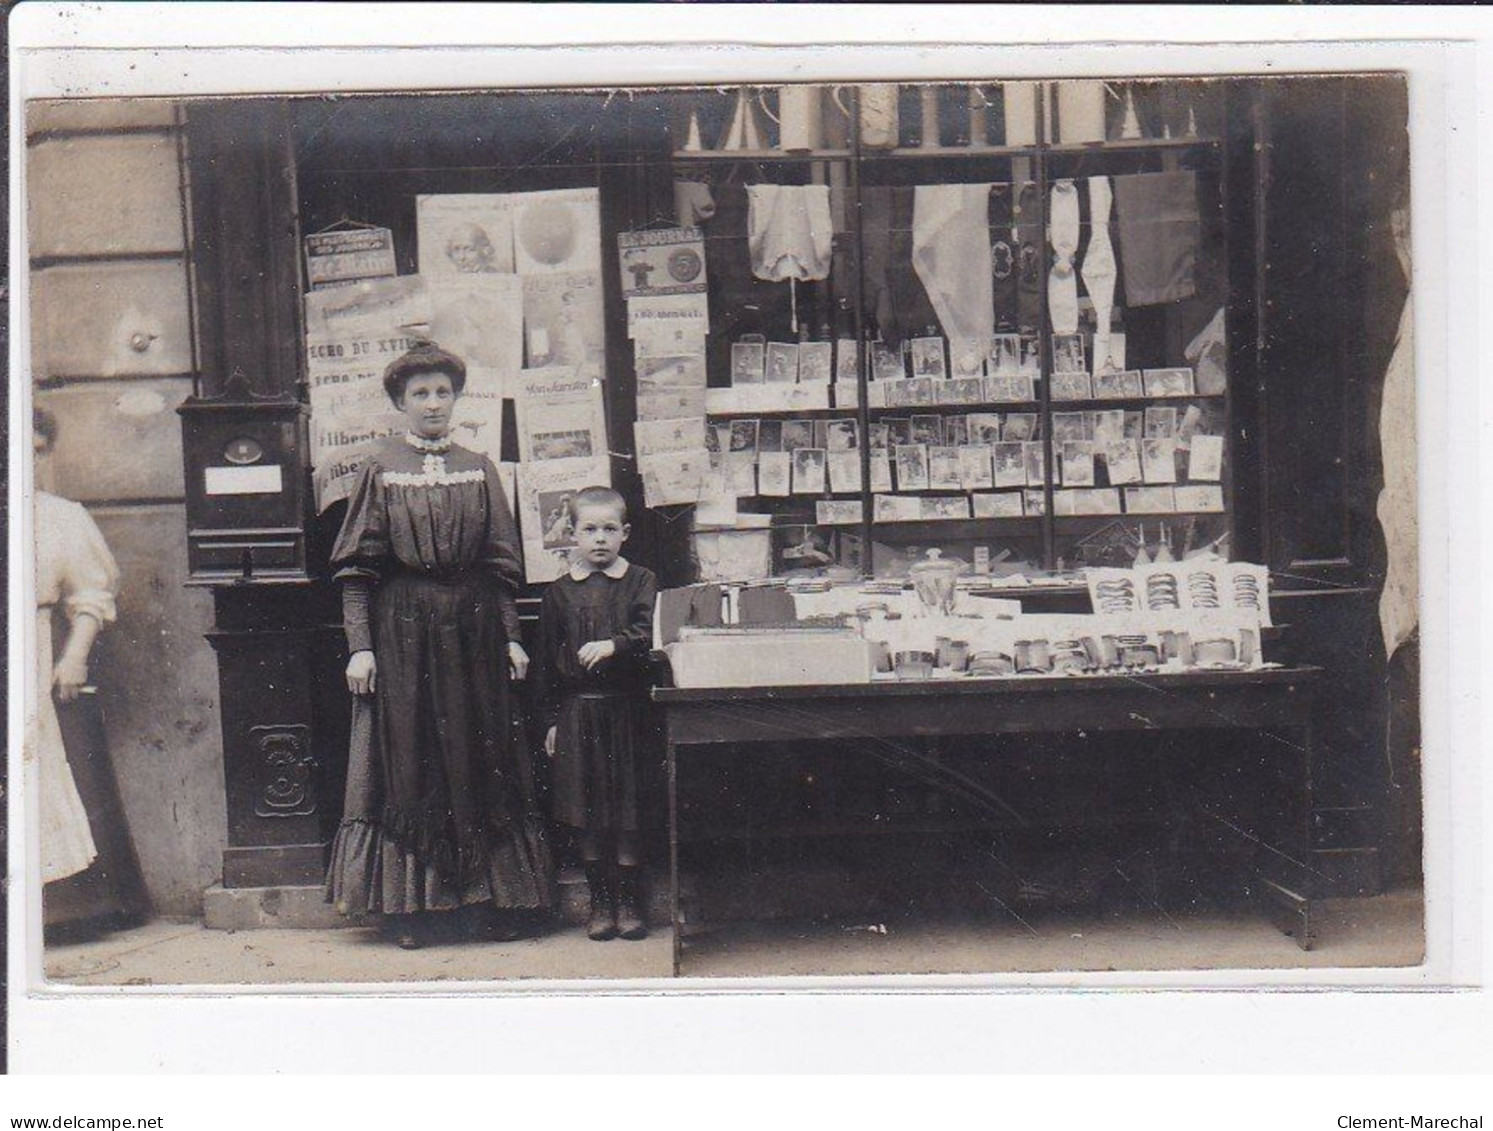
x=1275, y=704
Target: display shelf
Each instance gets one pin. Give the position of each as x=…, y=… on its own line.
x=683, y=156
x=961, y=529
x=1132, y=145
x=784, y=414
x=903, y=152
x=973, y=406
x=1121, y=402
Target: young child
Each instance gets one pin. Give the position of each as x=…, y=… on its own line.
x=595, y=630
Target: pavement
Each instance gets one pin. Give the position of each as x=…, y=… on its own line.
x=1378, y=931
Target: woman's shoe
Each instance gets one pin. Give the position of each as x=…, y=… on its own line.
x=630, y=922
x=603, y=922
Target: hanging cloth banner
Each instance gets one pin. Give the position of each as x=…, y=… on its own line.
x=1099, y=269
x=951, y=254
x=1158, y=236
x=1062, y=280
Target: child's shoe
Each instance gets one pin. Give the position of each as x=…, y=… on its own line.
x=630, y=921
x=603, y=922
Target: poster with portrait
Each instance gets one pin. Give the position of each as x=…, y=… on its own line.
x=544, y=493
x=557, y=231
x=464, y=234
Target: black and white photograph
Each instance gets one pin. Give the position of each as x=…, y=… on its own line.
x=390, y=739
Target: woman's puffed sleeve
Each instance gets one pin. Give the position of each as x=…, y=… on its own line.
x=501, y=554
x=636, y=639
x=361, y=548
x=90, y=578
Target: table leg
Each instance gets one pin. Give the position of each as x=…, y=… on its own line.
x=674, y=925
x=1288, y=885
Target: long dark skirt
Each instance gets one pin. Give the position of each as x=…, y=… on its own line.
x=598, y=741
x=440, y=807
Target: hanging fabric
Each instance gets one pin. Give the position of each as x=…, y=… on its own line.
x=951, y=254
x=789, y=231
x=1158, y=215
x=1062, y=279
x=1099, y=269
x=1026, y=230
x=1208, y=355
x=693, y=203
x=1004, y=257
x=1399, y=602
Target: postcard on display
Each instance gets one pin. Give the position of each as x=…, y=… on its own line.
x=464, y=234
x=881, y=472
x=1150, y=500
x=844, y=471
x=881, y=434
x=808, y=471
x=1033, y=501
x=1069, y=426
x=664, y=316
x=560, y=416
x=782, y=363
x=927, y=357
x=335, y=259
x=1135, y=427
x=912, y=467
x=717, y=437
x=1158, y=460
x=563, y=320
x=892, y=394
x=1064, y=503
x=837, y=512
x=1111, y=359
x=1036, y=466
x=895, y=508
x=1205, y=460
x=967, y=358
x=1161, y=422
x=1010, y=388
x=1071, y=387
x=1005, y=355
x=797, y=434
x=1115, y=385
x=1096, y=500
x=847, y=358
x=974, y=467
x=544, y=494
x=741, y=473
x=875, y=393
x=1068, y=354
x=840, y=435
x=900, y=429
x=687, y=370
x=1031, y=356
x=1019, y=426
x=998, y=504
x=1206, y=499
x=774, y=474
x=943, y=468
x=669, y=261
x=920, y=391
x=671, y=402
x=1108, y=426
x=886, y=363
x=1077, y=465
x=1169, y=383
x=1122, y=461
x=769, y=436
x=659, y=341
x=677, y=478
x=748, y=363
x=847, y=394
x=927, y=429
x=956, y=429
x=961, y=390
x=743, y=436
x=984, y=427
x=815, y=361
x=556, y=231
x=1009, y=461
x=944, y=507
x=654, y=437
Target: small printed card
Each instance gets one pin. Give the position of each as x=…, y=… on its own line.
x=1207, y=499
x=1010, y=465
x=943, y=468
x=948, y=506
x=998, y=504
x=1020, y=426
x=797, y=434
x=743, y=436
x=912, y=467
x=1036, y=468
x=837, y=512
x=928, y=358
x=927, y=429
x=1122, y=461
x=844, y=471
x=774, y=471
x=748, y=363
x=1067, y=354
x=1117, y=384
x=886, y=363
x=1169, y=383
x=808, y=471
x=1149, y=500
x=1205, y=460
x=1071, y=386
x=846, y=355
x=1077, y=469
x=881, y=472
x=1068, y=426
x=1010, y=388
x=815, y=361
x=984, y=427
x=1161, y=422
x=1158, y=460
x=974, y=467
x=782, y=363
x=1005, y=354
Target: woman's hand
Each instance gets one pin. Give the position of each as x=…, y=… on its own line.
x=518, y=660
x=549, y=742
x=595, y=652
x=362, y=673
x=69, y=677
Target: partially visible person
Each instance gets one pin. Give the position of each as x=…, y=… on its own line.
x=595, y=630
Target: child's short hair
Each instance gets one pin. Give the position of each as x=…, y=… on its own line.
x=597, y=497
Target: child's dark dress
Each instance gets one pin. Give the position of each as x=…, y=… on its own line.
x=597, y=714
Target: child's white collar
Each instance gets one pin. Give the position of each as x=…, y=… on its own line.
x=581, y=569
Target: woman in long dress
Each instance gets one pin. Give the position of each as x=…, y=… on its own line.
x=440, y=810
x=76, y=572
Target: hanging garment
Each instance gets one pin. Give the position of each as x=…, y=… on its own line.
x=1099, y=269
x=1208, y=355
x=1062, y=278
x=693, y=203
x=789, y=231
x=1158, y=236
x=951, y=254
x=1004, y=261
x=1026, y=230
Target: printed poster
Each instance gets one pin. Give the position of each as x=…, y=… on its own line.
x=544, y=493
x=335, y=259
x=563, y=321
x=464, y=234
x=556, y=232
x=560, y=416
x=667, y=262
